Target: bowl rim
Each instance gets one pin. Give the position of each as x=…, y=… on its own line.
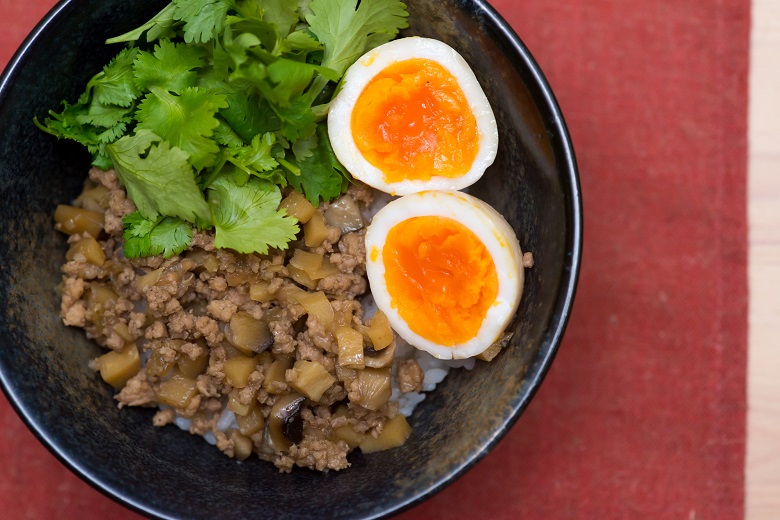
x=552, y=339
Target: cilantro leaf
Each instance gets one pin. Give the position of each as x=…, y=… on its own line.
x=282, y=13
x=348, y=31
x=247, y=218
x=158, y=27
x=321, y=173
x=106, y=116
x=249, y=114
x=203, y=19
x=302, y=41
x=186, y=121
x=115, y=84
x=166, y=236
x=169, y=66
x=158, y=177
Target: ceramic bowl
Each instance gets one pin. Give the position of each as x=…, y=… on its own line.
x=167, y=473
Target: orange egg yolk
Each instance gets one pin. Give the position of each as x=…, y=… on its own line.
x=412, y=121
x=440, y=277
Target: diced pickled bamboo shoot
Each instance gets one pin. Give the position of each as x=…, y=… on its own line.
x=275, y=374
x=242, y=445
x=251, y=422
x=350, y=344
x=315, y=231
x=90, y=249
x=394, y=434
x=259, y=292
x=311, y=379
x=317, y=304
x=379, y=331
x=74, y=220
x=372, y=388
x=177, y=391
x=237, y=370
x=298, y=206
x=194, y=367
x=116, y=368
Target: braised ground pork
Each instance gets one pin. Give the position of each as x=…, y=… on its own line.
x=279, y=343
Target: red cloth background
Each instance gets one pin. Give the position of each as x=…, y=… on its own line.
x=643, y=412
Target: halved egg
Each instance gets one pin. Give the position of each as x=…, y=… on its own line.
x=446, y=269
x=411, y=116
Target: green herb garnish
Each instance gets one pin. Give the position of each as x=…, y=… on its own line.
x=214, y=105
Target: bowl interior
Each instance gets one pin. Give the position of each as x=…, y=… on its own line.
x=169, y=473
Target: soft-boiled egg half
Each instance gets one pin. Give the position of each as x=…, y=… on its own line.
x=446, y=269
x=411, y=116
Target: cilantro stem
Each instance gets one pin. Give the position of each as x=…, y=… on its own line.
x=290, y=166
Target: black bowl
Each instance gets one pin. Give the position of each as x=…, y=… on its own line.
x=168, y=473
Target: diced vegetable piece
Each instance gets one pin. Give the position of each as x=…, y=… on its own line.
x=93, y=198
x=275, y=374
x=288, y=294
x=309, y=262
x=234, y=404
x=380, y=359
x=282, y=423
x=300, y=276
x=493, y=350
x=148, y=280
x=344, y=214
x=259, y=292
x=315, y=231
x=317, y=304
x=74, y=220
x=252, y=421
x=394, y=434
x=116, y=368
x=247, y=334
x=211, y=263
x=242, y=445
x=237, y=370
x=159, y=365
x=373, y=388
x=350, y=344
x=342, y=318
x=379, y=331
x=177, y=391
x=194, y=367
x=90, y=249
x=240, y=277
x=297, y=206
x=325, y=270
x=122, y=329
x=344, y=374
x=311, y=379
x=346, y=432
x=99, y=294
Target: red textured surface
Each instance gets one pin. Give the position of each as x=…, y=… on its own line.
x=643, y=412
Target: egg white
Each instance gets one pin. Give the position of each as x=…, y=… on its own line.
x=374, y=62
x=494, y=232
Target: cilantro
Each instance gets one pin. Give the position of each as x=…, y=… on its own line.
x=170, y=66
x=247, y=218
x=321, y=173
x=166, y=236
x=348, y=31
x=160, y=26
x=214, y=105
x=282, y=13
x=257, y=159
x=203, y=19
x=116, y=84
x=161, y=181
x=186, y=121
